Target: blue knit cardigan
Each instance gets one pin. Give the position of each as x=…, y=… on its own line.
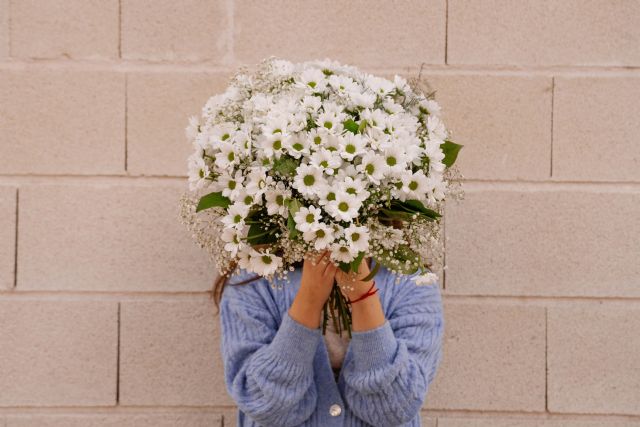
x=278, y=370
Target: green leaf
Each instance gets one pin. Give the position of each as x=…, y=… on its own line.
x=363, y=125
x=415, y=206
x=344, y=266
x=356, y=262
x=397, y=214
x=259, y=235
x=450, y=150
x=291, y=225
x=350, y=125
x=373, y=272
x=294, y=207
x=285, y=166
x=210, y=200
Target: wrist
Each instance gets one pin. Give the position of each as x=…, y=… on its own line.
x=356, y=289
x=370, y=291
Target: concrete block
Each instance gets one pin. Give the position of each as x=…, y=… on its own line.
x=544, y=32
x=493, y=359
x=61, y=121
x=58, y=353
x=158, y=109
x=108, y=237
x=7, y=236
x=504, y=123
x=170, y=354
x=596, y=129
x=67, y=29
x=593, y=359
x=543, y=241
x=164, y=30
x=409, y=32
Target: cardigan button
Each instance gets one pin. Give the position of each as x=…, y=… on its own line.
x=335, y=410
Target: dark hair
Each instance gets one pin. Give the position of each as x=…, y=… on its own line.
x=221, y=281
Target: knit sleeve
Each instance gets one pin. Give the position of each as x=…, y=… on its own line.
x=268, y=368
x=393, y=365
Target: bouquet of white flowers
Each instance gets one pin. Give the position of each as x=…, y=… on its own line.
x=297, y=158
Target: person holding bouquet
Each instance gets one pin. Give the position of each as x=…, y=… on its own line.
x=276, y=362
x=317, y=190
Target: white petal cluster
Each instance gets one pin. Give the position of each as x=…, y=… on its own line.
x=340, y=141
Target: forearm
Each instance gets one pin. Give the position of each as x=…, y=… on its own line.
x=367, y=314
x=305, y=311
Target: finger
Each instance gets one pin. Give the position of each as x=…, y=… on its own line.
x=321, y=256
x=324, y=259
x=329, y=267
x=330, y=273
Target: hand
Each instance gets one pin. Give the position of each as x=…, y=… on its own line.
x=316, y=285
x=346, y=281
x=317, y=280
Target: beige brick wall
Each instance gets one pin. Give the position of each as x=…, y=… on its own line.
x=103, y=316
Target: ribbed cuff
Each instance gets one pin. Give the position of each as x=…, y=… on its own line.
x=296, y=342
x=373, y=348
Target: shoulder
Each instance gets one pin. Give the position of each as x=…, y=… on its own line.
x=256, y=295
x=406, y=291
x=245, y=285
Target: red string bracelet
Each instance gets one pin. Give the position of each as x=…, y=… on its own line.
x=365, y=295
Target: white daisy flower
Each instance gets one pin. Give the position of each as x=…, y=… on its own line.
x=297, y=146
x=414, y=185
x=297, y=121
x=312, y=79
x=395, y=160
x=373, y=166
x=358, y=237
x=234, y=239
x=326, y=194
x=220, y=133
x=352, y=145
x=436, y=128
x=320, y=234
x=345, y=206
x=311, y=104
x=307, y=217
x=272, y=144
x=244, y=257
x=227, y=156
x=361, y=99
x=236, y=214
x=318, y=137
x=243, y=197
x=355, y=186
x=401, y=84
x=331, y=121
x=429, y=106
x=258, y=181
x=264, y=263
x=326, y=160
x=275, y=198
x=376, y=120
x=308, y=180
x=230, y=185
x=198, y=173
x=344, y=85
x=380, y=86
x=342, y=251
